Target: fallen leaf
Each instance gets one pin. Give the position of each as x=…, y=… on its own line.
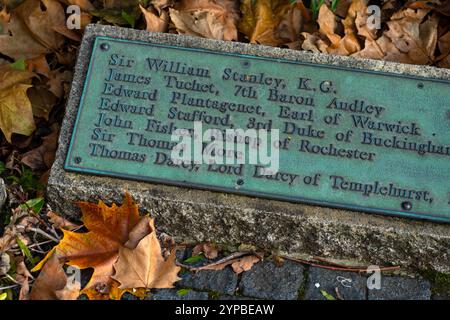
x=409, y=39
x=41, y=17
x=214, y=19
x=85, y=5
x=61, y=223
x=235, y=258
x=162, y=4
x=14, y=103
x=42, y=101
x=57, y=79
x=38, y=65
x=10, y=77
x=52, y=283
x=17, y=42
x=271, y=22
x=209, y=250
x=244, y=264
x=109, y=228
x=154, y=22
x=444, y=44
x=144, y=266
x=22, y=278
x=5, y=263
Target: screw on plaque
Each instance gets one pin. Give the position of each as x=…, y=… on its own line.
x=420, y=85
x=77, y=160
x=246, y=63
x=104, y=46
x=240, y=182
x=448, y=114
x=406, y=205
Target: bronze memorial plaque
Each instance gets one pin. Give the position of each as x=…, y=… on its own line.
x=339, y=137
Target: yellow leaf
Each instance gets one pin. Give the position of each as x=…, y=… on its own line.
x=144, y=266
x=16, y=114
x=271, y=22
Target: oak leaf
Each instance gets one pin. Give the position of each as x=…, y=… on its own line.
x=53, y=284
x=144, y=266
x=214, y=19
x=109, y=228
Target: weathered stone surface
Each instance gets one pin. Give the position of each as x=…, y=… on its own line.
x=268, y=281
x=222, y=281
x=350, y=285
x=400, y=288
x=195, y=215
x=3, y=194
x=172, y=294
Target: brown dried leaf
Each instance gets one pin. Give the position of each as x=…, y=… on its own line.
x=244, y=264
x=57, y=79
x=18, y=43
x=10, y=77
x=211, y=251
x=154, y=22
x=162, y=4
x=144, y=266
x=52, y=284
x=444, y=44
x=61, y=223
x=271, y=22
x=85, y=5
x=413, y=37
x=213, y=19
x=14, y=103
x=38, y=65
x=328, y=24
x=41, y=23
x=42, y=101
x=22, y=277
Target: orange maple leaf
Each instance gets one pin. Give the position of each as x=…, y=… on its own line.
x=109, y=229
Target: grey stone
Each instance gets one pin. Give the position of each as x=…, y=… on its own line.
x=3, y=194
x=172, y=294
x=199, y=215
x=265, y=280
x=350, y=285
x=222, y=281
x=401, y=288
x=227, y=297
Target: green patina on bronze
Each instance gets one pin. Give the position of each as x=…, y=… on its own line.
x=349, y=138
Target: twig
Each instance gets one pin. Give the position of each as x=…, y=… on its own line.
x=218, y=262
x=43, y=233
x=349, y=269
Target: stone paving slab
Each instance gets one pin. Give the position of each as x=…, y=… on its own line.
x=351, y=285
x=221, y=281
x=268, y=281
x=401, y=288
x=172, y=294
